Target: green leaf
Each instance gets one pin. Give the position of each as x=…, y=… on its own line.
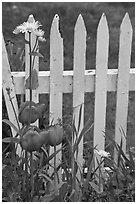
x=131, y=159
x=90, y=167
x=36, y=54
x=98, y=189
x=47, y=198
x=83, y=132
x=34, y=80
x=45, y=151
x=11, y=125
x=46, y=177
x=52, y=155
x=80, y=113
x=119, y=153
x=11, y=140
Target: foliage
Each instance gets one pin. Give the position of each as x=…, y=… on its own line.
x=117, y=177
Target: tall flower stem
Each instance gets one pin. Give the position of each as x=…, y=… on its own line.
x=55, y=173
x=30, y=77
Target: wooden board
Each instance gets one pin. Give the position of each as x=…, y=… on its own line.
x=123, y=80
x=78, y=82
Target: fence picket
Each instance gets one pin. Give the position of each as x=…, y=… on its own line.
x=123, y=80
x=56, y=76
x=101, y=88
x=7, y=82
x=101, y=82
x=35, y=95
x=78, y=78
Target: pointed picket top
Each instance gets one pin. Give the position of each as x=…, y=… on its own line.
x=55, y=26
x=103, y=24
x=126, y=30
x=80, y=24
x=31, y=18
x=126, y=23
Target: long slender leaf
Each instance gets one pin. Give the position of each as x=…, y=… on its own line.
x=80, y=118
x=110, y=138
x=96, y=187
x=131, y=159
x=74, y=130
x=88, y=174
x=52, y=155
x=44, y=150
x=36, y=54
x=119, y=153
x=125, y=158
x=83, y=132
x=11, y=125
x=46, y=177
x=47, y=198
x=122, y=132
x=11, y=140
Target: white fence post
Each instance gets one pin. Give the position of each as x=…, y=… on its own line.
x=56, y=78
x=78, y=81
x=101, y=82
x=101, y=89
x=125, y=44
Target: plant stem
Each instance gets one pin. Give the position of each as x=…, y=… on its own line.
x=31, y=172
x=33, y=51
x=30, y=76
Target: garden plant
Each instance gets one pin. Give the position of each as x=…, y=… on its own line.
x=26, y=176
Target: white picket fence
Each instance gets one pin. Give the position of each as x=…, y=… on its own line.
x=78, y=81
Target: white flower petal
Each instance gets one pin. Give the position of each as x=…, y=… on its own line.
x=41, y=39
x=27, y=27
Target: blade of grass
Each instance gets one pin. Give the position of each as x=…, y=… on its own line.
x=52, y=155
x=83, y=132
x=11, y=140
x=119, y=153
x=80, y=113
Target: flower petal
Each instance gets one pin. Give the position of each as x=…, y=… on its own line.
x=41, y=39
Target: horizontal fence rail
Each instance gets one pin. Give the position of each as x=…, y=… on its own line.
x=67, y=87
